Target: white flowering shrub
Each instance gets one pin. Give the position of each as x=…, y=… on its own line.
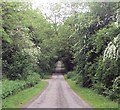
x=113, y=49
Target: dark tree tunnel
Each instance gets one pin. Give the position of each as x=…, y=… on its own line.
x=67, y=60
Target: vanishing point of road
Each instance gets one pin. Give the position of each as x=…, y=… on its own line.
x=58, y=94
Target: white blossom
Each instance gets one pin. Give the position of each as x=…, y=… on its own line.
x=113, y=49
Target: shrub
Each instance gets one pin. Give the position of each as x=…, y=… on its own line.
x=71, y=75
x=11, y=87
x=79, y=80
x=32, y=79
x=99, y=87
x=116, y=89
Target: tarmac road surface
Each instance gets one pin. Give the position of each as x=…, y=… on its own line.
x=58, y=94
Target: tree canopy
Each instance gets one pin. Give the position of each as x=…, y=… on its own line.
x=86, y=39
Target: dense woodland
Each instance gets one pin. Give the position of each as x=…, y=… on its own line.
x=87, y=42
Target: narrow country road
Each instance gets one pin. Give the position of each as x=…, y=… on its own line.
x=58, y=94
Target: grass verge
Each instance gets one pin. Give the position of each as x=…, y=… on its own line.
x=91, y=97
x=18, y=100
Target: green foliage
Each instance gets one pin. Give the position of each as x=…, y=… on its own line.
x=87, y=43
x=26, y=41
x=17, y=70
x=116, y=89
x=104, y=36
x=88, y=95
x=5, y=36
x=32, y=79
x=10, y=87
x=24, y=96
x=72, y=75
x=99, y=87
x=96, y=49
